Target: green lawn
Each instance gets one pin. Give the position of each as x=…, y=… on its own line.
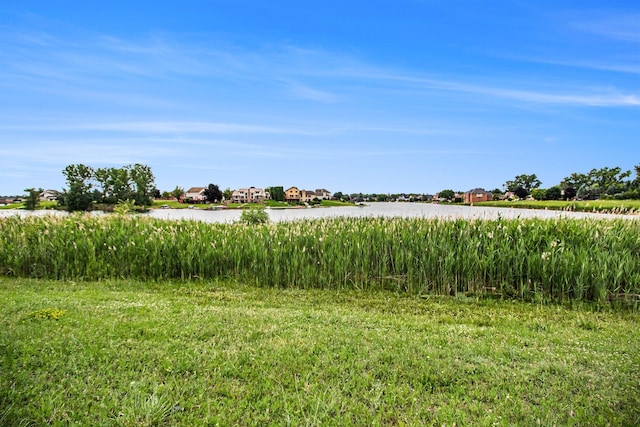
x=196, y=353
x=173, y=204
x=335, y=203
x=43, y=205
x=12, y=206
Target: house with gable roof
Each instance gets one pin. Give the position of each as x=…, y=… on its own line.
x=477, y=195
x=195, y=194
x=249, y=195
x=292, y=194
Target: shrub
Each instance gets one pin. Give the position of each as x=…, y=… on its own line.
x=553, y=193
x=124, y=207
x=539, y=194
x=522, y=193
x=254, y=216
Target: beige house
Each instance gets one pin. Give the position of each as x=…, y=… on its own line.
x=249, y=195
x=49, y=195
x=292, y=195
x=307, y=195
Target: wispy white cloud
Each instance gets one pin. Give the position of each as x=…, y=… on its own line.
x=608, y=98
x=411, y=129
x=209, y=133
x=91, y=152
x=617, y=26
x=109, y=69
x=37, y=38
x=403, y=153
x=589, y=97
x=306, y=92
x=159, y=127
x=629, y=65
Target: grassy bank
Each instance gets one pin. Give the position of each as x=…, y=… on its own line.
x=532, y=259
x=22, y=205
x=173, y=204
x=600, y=206
x=138, y=354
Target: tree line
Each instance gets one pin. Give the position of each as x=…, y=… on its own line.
x=87, y=186
x=602, y=183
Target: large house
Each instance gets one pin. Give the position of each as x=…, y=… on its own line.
x=249, y=195
x=477, y=195
x=292, y=194
x=323, y=194
x=49, y=195
x=195, y=194
x=307, y=195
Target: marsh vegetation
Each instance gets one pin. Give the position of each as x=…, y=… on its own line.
x=531, y=259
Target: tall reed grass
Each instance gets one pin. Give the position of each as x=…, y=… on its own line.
x=593, y=260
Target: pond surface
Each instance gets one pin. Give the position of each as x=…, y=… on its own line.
x=382, y=209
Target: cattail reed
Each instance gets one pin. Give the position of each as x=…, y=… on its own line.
x=587, y=259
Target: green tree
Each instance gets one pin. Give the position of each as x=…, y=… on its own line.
x=570, y=193
x=527, y=182
x=114, y=184
x=553, y=193
x=635, y=184
x=610, y=181
x=79, y=195
x=539, y=193
x=227, y=193
x=143, y=182
x=575, y=180
x=213, y=194
x=521, y=192
x=276, y=193
x=177, y=192
x=590, y=192
x=32, y=200
x=108, y=185
x=447, y=194
x=599, y=182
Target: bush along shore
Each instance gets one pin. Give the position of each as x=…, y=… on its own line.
x=533, y=259
x=615, y=207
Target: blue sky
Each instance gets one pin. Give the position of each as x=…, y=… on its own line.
x=352, y=96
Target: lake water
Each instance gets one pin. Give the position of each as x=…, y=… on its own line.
x=406, y=210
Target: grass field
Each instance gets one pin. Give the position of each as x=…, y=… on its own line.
x=173, y=204
x=12, y=206
x=42, y=205
x=602, y=206
x=127, y=353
